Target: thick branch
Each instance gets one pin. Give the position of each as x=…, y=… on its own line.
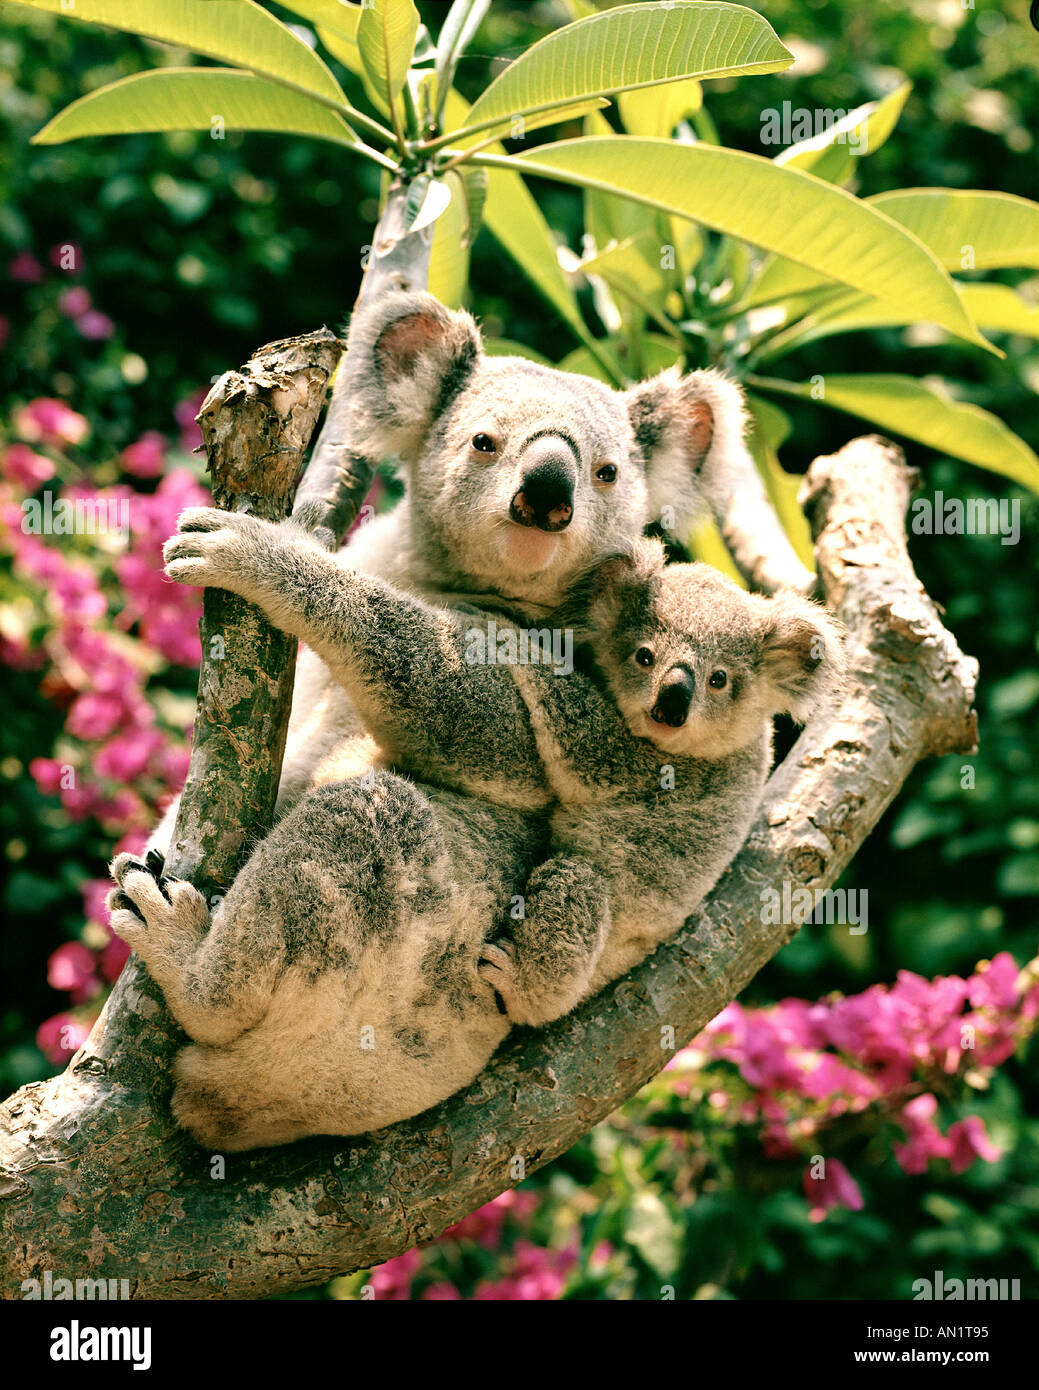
x=138, y=1200
x=753, y=532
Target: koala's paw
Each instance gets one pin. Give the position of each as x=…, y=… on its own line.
x=498, y=968
x=217, y=549
x=151, y=912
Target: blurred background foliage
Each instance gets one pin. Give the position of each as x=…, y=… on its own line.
x=195, y=251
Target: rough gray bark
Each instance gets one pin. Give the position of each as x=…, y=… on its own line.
x=98, y=1183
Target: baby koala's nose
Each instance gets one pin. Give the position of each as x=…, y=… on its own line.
x=674, y=698
x=546, y=495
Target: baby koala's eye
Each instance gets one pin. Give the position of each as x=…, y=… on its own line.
x=607, y=473
x=717, y=680
x=484, y=444
x=644, y=656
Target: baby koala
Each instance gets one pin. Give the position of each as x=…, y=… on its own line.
x=657, y=762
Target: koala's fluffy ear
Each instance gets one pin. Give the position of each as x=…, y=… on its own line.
x=593, y=600
x=407, y=358
x=686, y=427
x=802, y=655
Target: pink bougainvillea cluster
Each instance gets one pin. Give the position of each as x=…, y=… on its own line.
x=888, y=1053
x=99, y=622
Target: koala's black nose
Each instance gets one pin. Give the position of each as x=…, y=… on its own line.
x=546, y=495
x=674, y=698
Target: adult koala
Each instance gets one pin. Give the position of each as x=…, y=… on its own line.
x=518, y=478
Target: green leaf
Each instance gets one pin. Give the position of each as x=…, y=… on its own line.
x=658, y=353
x=449, y=257
x=508, y=347
x=994, y=308
x=192, y=99
x=386, y=39
x=463, y=19
x=770, y=427
x=998, y=230
x=965, y=229
x=237, y=32
x=334, y=16
x=782, y=210
x=625, y=267
x=632, y=46
x=831, y=155
x=647, y=111
x=1001, y=309
x=473, y=187
x=515, y=220
x=908, y=407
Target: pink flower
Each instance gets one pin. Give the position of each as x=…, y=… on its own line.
x=72, y=967
x=95, y=326
x=441, y=1292
x=485, y=1224
x=47, y=773
x=59, y=1037
x=74, y=301
x=94, y=716
x=94, y=892
x=925, y=1139
x=994, y=986
x=968, y=1140
x=836, y=1188
x=146, y=457
x=25, y=269
x=24, y=467
x=125, y=757
x=113, y=958
x=5, y=330
x=51, y=421
x=392, y=1280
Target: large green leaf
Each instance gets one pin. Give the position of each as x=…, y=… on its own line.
x=770, y=427
x=831, y=155
x=1001, y=309
x=449, y=258
x=995, y=308
x=192, y=99
x=632, y=46
x=515, y=220
x=966, y=229
x=336, y=16
x=908, y=407
x=386, y=38
x=237, y=32
x=782, y=210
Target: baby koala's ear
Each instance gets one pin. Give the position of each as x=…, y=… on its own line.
x=407, y=358
x=633, y=566
x=686, y=428
x=802, y=655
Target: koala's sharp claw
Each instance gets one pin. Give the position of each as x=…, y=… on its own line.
x=155, y=863
x=120, y=902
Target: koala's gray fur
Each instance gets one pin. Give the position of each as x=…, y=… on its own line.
x=369, y=905
x=421, y=387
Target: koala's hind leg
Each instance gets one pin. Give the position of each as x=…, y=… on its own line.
x=543, y=968
x=217, y=975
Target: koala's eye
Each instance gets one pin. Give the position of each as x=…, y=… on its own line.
x=607, y=473
x=644, y=657
x=717, y=680
x=484, y=444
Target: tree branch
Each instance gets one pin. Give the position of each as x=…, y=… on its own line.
x=98, y=1183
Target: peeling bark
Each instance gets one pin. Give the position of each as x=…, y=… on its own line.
x=96, y=1181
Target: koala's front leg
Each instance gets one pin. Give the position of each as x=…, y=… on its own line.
x=543, y=968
